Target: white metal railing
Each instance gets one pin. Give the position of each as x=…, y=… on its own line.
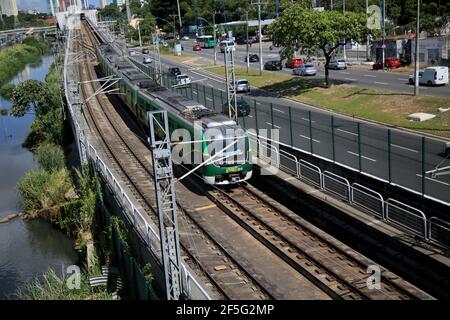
x=439, y=231
x=367, y=199
x=406, y=216
x=337, y=185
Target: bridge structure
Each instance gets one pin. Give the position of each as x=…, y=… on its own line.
x=219, y=260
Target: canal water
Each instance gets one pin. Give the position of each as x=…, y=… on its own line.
x=27, y=248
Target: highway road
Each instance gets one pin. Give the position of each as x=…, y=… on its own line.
x=396, y=159
x=363, y=76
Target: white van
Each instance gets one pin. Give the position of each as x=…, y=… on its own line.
x=223, y=44
x=432, y=76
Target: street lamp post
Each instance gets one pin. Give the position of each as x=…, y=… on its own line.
x=259, y=3
x=214, y=36
x=416, y=73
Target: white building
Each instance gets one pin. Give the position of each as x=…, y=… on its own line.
x=103, y=3
x=9, y=7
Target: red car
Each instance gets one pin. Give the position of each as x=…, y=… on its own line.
x=388, y=63
x=197, y=47
x=294, y=63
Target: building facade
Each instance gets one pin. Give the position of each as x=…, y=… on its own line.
x=9, y=7
x=103, y=3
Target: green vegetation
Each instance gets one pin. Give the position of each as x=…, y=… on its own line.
x=14, y=59
x=6, y=91
x=25, y=21
x=299, y=29
x=50, y=156
x=51, y=287
x=41, y=189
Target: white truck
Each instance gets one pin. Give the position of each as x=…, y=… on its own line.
x=432, y=76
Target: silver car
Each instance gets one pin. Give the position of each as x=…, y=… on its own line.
x=242, y=85
x=337, y=65
x=146, y=60
x=305, y=70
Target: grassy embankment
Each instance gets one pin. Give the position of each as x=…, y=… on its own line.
x=372, y=104
x=14, y=59
x=66, y=197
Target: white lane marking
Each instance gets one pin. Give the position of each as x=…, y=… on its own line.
x=383, y=83
x=350, y=79
x=278, y=127
x=194, y=91
x=405, y=148
x=353, y=134
x=258, y=103
x=345, y=72
x=278, y=110
x=307, y=120
x=203, y=75
x=369, y=76
x=210, y=85
x=355, y=154
x=308, y=138
x=209, y=99
x=434, y=180
x=402, y=79
x=250, y=116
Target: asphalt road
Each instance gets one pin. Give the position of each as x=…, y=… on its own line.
x=369, y=152
x=369, y=78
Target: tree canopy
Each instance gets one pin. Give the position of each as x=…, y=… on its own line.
x=308, y=31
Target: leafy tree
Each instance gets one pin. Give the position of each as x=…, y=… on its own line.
x=305, y=30
x=31, y=93
x=110, y=11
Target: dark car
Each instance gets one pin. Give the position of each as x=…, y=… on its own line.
x=243, y=108
x=174, y=71
x=273, y=65
x=252, y=58
x=145, y=51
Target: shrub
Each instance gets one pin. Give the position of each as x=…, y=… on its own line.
x=50, y=156
x=41, y=189
x=7, y=90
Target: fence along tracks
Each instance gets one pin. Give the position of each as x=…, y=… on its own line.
x=336, y=269
x=330, y=268
x=132, y=159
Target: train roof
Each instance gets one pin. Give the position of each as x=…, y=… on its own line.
x=188, y=109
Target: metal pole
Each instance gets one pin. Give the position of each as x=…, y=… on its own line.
x=345, y=40
x=179, y=13
x=139, y=32
x=423, y=165
x=416, y=70
x=384, y=34
x=260, y=40
x=246, y=32
x=214, y=36
x=368, y=37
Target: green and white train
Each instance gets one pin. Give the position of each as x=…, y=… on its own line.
x=142, y=94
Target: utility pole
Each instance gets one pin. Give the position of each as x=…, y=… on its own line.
x=166, y=202
x=345, y=40
x=259, y=3
x=230, y=78
x=246, y=41
x=179, y=14
x=384, y=34
x=157, y=58
x=416, y=71
x=368, y=37
x=139, y=33
x=214, y=36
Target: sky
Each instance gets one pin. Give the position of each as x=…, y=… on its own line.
x=41, y=5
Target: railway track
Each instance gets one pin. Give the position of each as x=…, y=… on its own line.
x=128, y=153
x=338, y=270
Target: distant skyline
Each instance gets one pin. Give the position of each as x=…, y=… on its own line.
x=41, y=5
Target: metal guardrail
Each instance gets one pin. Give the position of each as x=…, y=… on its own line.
x=144, y=228
x=367, y=199
x=439, y=231
x=288, y=163
x=406, y=216
x=310, y=173
x=336, y=184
